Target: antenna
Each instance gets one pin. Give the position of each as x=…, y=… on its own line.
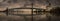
x=49, y=17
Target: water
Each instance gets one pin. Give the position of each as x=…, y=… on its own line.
x=43, y=16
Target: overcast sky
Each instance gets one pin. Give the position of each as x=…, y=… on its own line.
x=21, y=3
x=53, y=2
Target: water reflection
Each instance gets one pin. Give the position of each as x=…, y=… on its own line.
x=43, y=16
